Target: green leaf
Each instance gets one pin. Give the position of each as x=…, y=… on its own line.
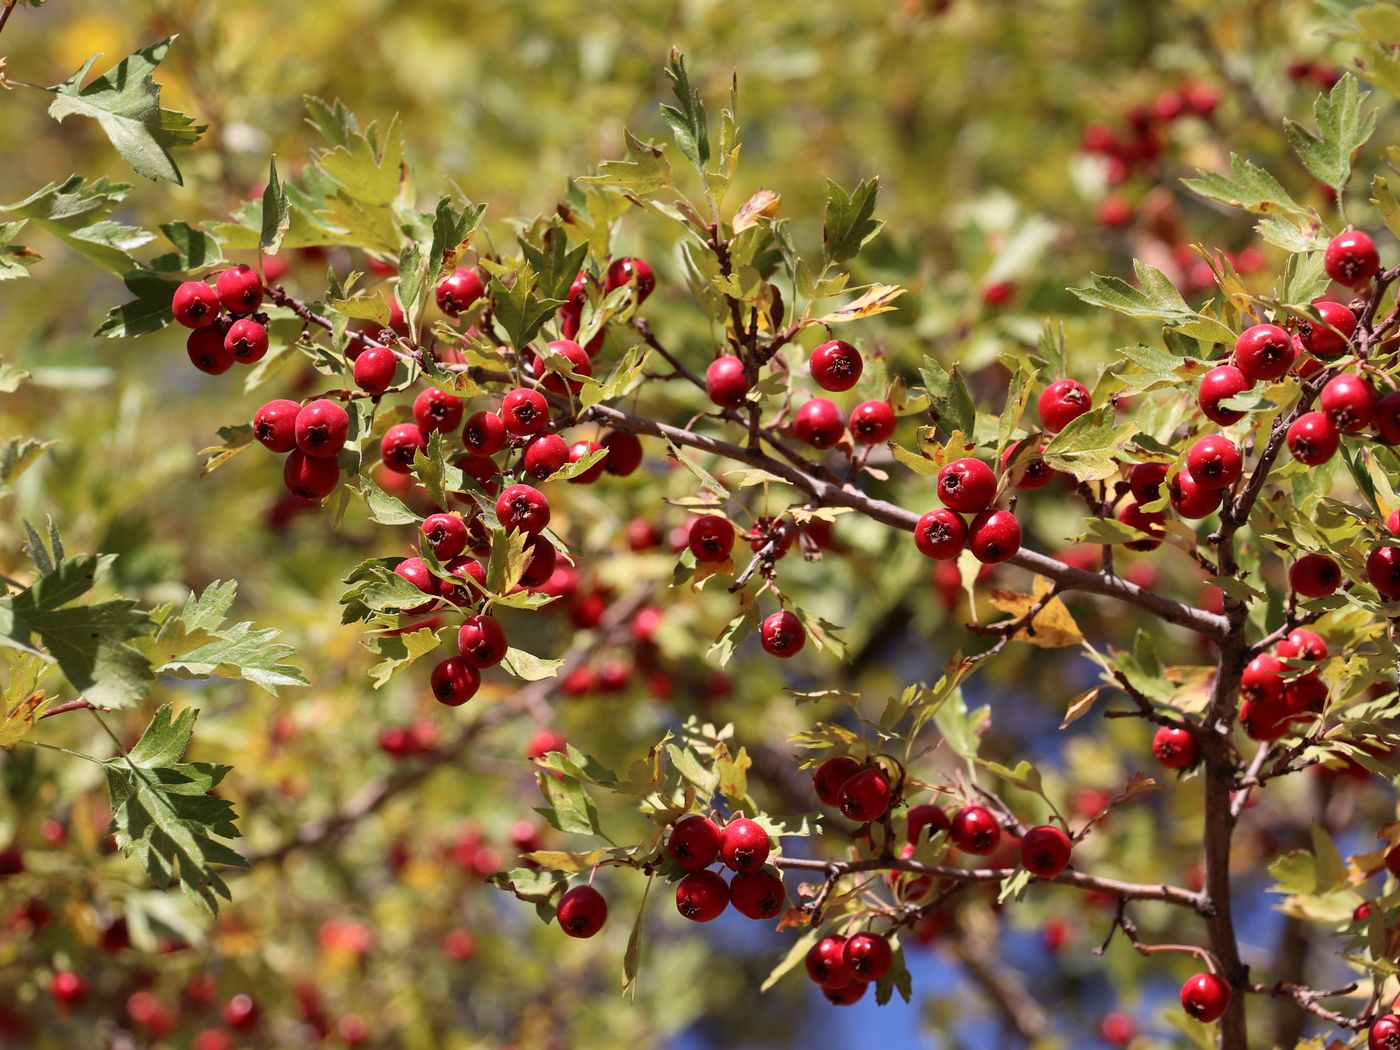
x=276, y=212
x=148, y=312
x=645, y=173
x=849, y=224
x=688, y=119
x=949, y=400
x=76, y=212
x=1089, y=445
x=15, y=259
x=555, y=266
x=520, y=312
x=570, y=808
x=375, y=587
x=452, y=231
x=396, y=651
x=384, y=508
x=414, y=282
x=195, y=250
x=1249, y=187
x=735, y=632
x=126, y=103
x=1157, y=296
x=17, y=455
x=437, y=475
x=528, y=667
x=1342, y=129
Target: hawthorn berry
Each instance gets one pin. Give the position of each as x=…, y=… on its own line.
x=725, y=381
x=206, y=350
x=195, y=305
x=582, y=911
x=632, y=271
x=374, y=369
x=1313, y=438
x=757, y=894
x=1035, y=473
x=307, y=477
x=1176, y=747
x=1153, y=524
x=1321, y=340
x=524, y=412
x=1302, y=644
x=975, y=830
x=1383, y=570
x=1349, y=403
x=1307, y=693
x=826, y=962
x=836, y=365
x=1145, y=481
x=1351, y=258
x=744, y=845
x=246, y=341
x=1265, y=718
x=1314, y=576
x=275, y=425
x=1392, y=522
x=240, y=289
x=831, y=777
x=782, y=634
x=482, y=641
x=481, y=470
x=540, y=565
x=927, y=816
x=966, y=485
x=1062, y=402
x=694, y=843
x=522, y=507
x=1384, y=1033
x=1220, y=384
x=624, y=452
x=940, y=534
x=1361, y=912
x=416, y=572
x=544, y=455
x=579, y=363
x=847, y=994
x=711, y=538
x=871, y=422
x=455, y=681
x=866, y=796
x=1262, y=678
x=1045, y=851
x=868, y=956
x=446, y=535
x=577, y=451
x=1205, y=997
x=321, y=429
x=1263, y=352
x=241, y=1012
x=1387, y=418
x=484, y=434
x=819, y=423
x=1214, y=462
x=435, y=409
x=994, y=536
x=545, y=742
x=67, y=988
x=459, y=291
x=400, y=446
x=702, y=896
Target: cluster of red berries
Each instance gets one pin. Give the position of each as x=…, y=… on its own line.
x=226, y=327
x=844, y=967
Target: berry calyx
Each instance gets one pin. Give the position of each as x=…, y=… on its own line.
x=711, y=538
x=966, y=485
x=522, y=507
x=484, y=434
x=744, y=845
x=868, y=956
x=435, y=409
x=1351, y=258
x=940, y=534
x=866, y=796
x=1313, y=439
x=1062, y=402
x=582, y=911
x=826, y=962
x=994, y=536
x=246, y=341
x=374, y=369
x=455, y=681
x=1384, y=1033
x=871, y=422
x=459, y=291
x=725, y=381
x=524, y=412
x=1314, y=576
x=831, y=777
x=446, y=535
x=482, y=641
x=400, y=446
x=1176, y=747
x=702, y=896
x=1220, y=384
x=1045, y=851
x=1263, y=352
x=240, y=289
x=195, y=305
x=694, y=843
x=836, y=365
x=321, y=429
x=757, y=894
x=819, y=423
x=974, y=829
x=1349, y=402
x=1205, y=997
x=1214, y=461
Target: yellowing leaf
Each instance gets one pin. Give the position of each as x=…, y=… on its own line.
x=762, y=205
x=876, y=300
x=1052, y=626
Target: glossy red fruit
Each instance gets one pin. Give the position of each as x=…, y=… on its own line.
x=1262, y=678
x=1220, y=384
x=940, y=534
x=1305, y=694
x=275, y=425
x=757, y=894
x=582, y=911
x=524, y=412
x=624, y=452
x=1154, y=524
x=1264, y=719
x=482, y=641
x=1351, y=258
x=871, y=422
x=826, y=962
x=1145, y=481
x=866, y=796
x=577, y=451
x=1061, y=402
x=374, y=370
x=927, y=816
x=544, y=455
x=994, y=536
x=1388, y=418
x=1314, y=576
x=974, y=829
x=1392, y=522
x=634, y=271
x=1384, y=1033
x=240, y=289
x=455, y=681
x=67, y=988
x=1176, y=747
x=484, y=434
x=711, y=538
x=836, y=365
x=694, y=843
x=1319, y=339
x=1313, y=439
x=1192, y=500
x=1045, y=851
x=1263, y=352
x=744, y=845
x=1349, y=403
x=481, y=470
x=725, y=381
x=1302, y=644
x=241, y=1012
x=459, y=291
x=400, y=446
x=321, y=429
x=966, y=485
x=416, y=572
x=1214, y=462
x=206, y=351
x=1383, y=570
x=831, y=777
x=782, y=634
x=541, y=564
x=702, y=896
x=819, y=423
x=446, y=535
x=435, y=409
x=580, y=364
x=868, y=956
x=195, y=305
x=1205, y=997
x=847, y=994
x=246, y=341
x=310, y=478
x=522, y=507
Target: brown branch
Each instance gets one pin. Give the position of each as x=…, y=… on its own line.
x=1307, y=998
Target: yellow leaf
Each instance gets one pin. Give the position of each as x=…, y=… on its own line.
x=1080, y=705
x=1052, y=627
x=762, y=205
x=20, y=719
x=876, y=300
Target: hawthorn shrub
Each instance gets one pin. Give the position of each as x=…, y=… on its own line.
x=656, y=487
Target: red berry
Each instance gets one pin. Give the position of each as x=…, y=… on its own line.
x=416, y=572
x=1205, y=997
x=195, y=305
x=826, y=962
x=831, y=777
x=1302, y=644
x=546, y=742
x=579, y=363
x=67, y=988
x=446, y=535
x=400, y=446
x=436, y=409
x=630, y=271
x=1200, y=99
x=1154, y=524
x=836, y=365
x=1062, y=401
x=782, y=634
x=994, y=536
x=1045, y=851
x=1383, y=570
x=524, y=508
x=240, y=289
x=1361, y=912
x=544, y=455
x=1176, y=747
x=927, y=816
x=577, y=451
x=459, y=291
x=1145, y=481
x=1349, y=402
x=1192, y=500
x=582, y=911
x=1384, y=1033
x=374, y=369
x=309, y=478
x=975, y=830
x=212, y=1039
x=866, y=796
x=524, y=412
x=455, y=681
x=241, y=1012
x=1214, y=462
x=1263, y=351
x=480, y=469
x=1313, y=439
x=711, y=538
x=819, y=423
x=540, y=566
x=757, y=894
x=744, y=845
x=1392, y=522
x=694, y=843
x=246, y=341
x=1262, y=678
x=1314, y=576
x=1113, y=212
x=940, y=534
x=206, y=350
x=868, y=956
x=847, y=994
x=1264, y=719
x=1305, y=694
x=1351, y=258
x=871, y=422
x=624, y=452
x=1320, y=339
x=275, y=425
x=1220, y=384
x=966, y=485
x=725, y=382
x=482, y=641
x=1388, y=418
x=702, y=896
x=321, y=429
x=484, y=434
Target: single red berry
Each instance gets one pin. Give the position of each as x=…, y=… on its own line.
x=940, y=534
x=459, y=291
x=67, y=988
x=524, y=508
x=694, y=843
x=782, y=634
x=1263, y=352
x=482, y=641
x=757, y=894
x=1320, y=339
x=1205, y=997
x=1220, y=384
x=1361, y=912
x=1349, y=402
x=1214, y=461
x=206, y=350
x=702, y=896
x=275, y=425
x=819, y=423
x=1114, y=212
x=484, y=434
x=1035, y=472
x=579, y=363
x=435, y=409
x=1305, y=694
x=847, y=994
x=1383, y=570
x=1176, y=747
x=1200, y=99
x=416, y=572
x=1264, y=719
x=1313, y=438
x=1192, y=500
x=711, y=538
x=836, y=365
x=480, y=469
x=868, y=956
x=624, y=452
x=1145, y=481
x=321, y=429
x=240, y=289
x=1384, y=1033
x=630, y=271
x=831, y=777
x=1117, y=1029
x=582, y=911
x=455, y=681
x=195, y=305
x=241, y=1012
x=310, y=478
x=1045, y=851
x=246, y=341
x=446, y=535
x=544, y=455
x=826, y=962
x=725, y=382
x=871, y=422
x=400, y=446
x=1388, y=418
x=524, y=412
x=541, y=563
x=1351, y=258
x=866, y=796
x=975, y=830
x=1154, y=524
x=994, y=536
x=927, y=816
x=374, y=369
x=1061, y=402
x=1392, y=522
x=966, y=485
x=1314, y=576
x=577, y=451
x=545, y=742
x=744, y=845
x=1302, y=644
x=1262, y=678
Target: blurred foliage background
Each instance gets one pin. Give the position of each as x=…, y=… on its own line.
x=972, y=115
